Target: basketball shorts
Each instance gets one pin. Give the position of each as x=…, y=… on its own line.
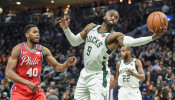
x=93, y=85
x=27, y=94
x=129, y=94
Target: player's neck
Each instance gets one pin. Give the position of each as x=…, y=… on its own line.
x=105, y=28
x=30, y=46
x=128, y=60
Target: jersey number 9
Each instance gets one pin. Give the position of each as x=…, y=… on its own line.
x=89, y=50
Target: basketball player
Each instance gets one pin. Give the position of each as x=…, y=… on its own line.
x=129, y=74
x=100, y=42
x=26, y=58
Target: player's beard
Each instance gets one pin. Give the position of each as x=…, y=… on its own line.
x=32, y=41
x=108, y=24
x=126, y=57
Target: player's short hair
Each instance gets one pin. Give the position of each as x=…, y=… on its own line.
x=127, y=47
x=112, y=10
x=28, y=27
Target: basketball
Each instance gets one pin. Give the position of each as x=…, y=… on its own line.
x=156, y=20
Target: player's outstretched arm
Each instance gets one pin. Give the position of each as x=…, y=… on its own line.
x=129, y=41
x=52, y=61
x=141, y=74
x=115, y=82
x=11, y=65
x=74, y=40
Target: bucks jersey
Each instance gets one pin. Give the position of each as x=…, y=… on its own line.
x=124, y=79
x=96, y=52
x=94, y=80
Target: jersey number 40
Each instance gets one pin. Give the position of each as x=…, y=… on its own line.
x=32, y=72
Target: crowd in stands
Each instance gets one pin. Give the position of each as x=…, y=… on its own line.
x=158, y=57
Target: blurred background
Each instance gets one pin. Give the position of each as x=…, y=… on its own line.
x=158, y=57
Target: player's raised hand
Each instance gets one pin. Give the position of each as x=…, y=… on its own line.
x=33, y=87
x=64, y=23
x=159, y=32
x=71, y=61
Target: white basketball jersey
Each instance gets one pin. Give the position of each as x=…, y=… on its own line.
x=96, y=52
x=126, y=80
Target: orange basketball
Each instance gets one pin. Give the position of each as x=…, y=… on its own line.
x=156, y=20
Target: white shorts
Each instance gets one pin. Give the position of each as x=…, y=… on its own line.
x=92, y=85
x=129, y=94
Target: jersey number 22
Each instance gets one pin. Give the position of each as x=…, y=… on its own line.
x=126, y=78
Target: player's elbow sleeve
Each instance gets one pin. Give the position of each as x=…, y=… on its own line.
x=77, y=40
x=74, y=44
x=129, y=41
x=74, y=40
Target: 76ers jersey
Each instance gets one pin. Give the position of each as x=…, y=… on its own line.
x=29, y=66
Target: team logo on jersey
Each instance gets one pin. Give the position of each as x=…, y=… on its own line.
x=29, y=61
x=123, y=70
x=94, y=40
x=103, y=35
x=24, y=52
x=37, y=52
x=131, y=64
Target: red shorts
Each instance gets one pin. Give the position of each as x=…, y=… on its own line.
x=36, y=96
x=24, y=93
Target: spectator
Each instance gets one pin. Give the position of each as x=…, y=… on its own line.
x=156, y=98
x=170, y=96
x=52, y=85
x=111, y=95
x=144, y=94
x=5, y=96
x=52, y=95
x=165, y=8
x=164, y=95
x=5, y=85
x=66, y=94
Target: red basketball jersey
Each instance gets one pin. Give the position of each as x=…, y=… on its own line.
x=29, y=66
